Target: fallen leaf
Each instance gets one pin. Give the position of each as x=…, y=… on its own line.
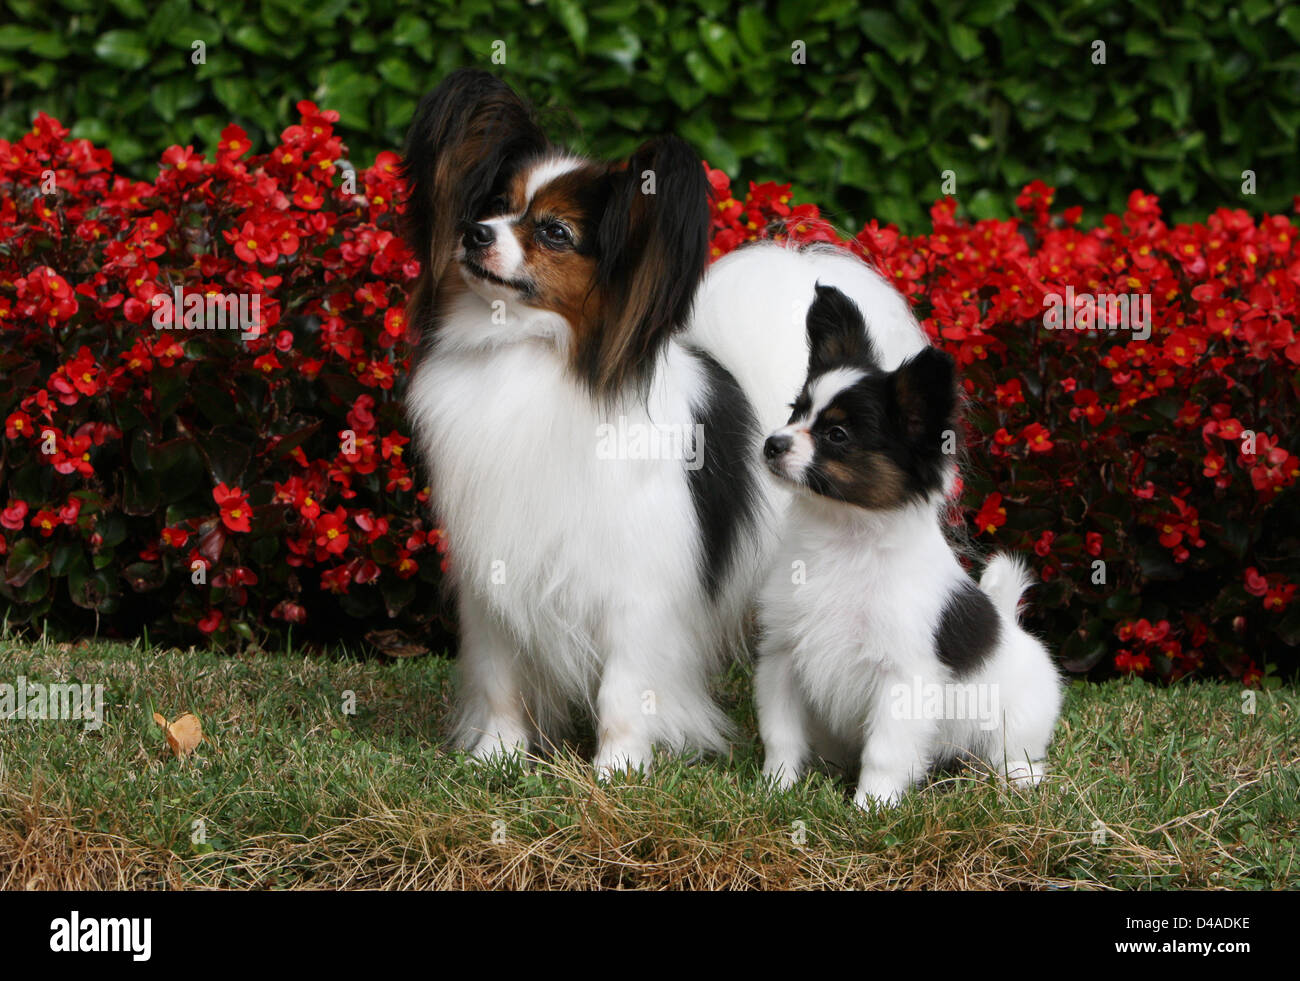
x=394, y=643
x=183, y=735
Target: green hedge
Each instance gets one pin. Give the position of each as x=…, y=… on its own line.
x=996, y=92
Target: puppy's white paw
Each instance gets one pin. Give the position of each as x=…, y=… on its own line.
x=1023, y=774
x=499, y=746
x=878, y=792
x=622, y=759
x=782, y=775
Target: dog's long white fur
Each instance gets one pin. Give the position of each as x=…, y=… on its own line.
x=848, y=616
x=585, y=588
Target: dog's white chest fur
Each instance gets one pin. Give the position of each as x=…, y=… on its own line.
x=573, y=539
x=849, y=615
x=525, y=445
x=862, y=626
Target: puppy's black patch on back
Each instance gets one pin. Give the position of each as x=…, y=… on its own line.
x=969, y=630
x=724, y=489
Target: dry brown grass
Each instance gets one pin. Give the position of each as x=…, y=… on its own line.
x=1188, y=792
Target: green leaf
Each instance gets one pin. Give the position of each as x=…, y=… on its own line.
x=1140, y=45
x=229, y=451
x=1256, y=10
x=254, y=39
x=92, y=592
x=281, y=20
x=965, y=41
x=986, y=13
x=141, y=493
x=751, y=27
x=42, y=76
x=67, y=556
x=1286, y=122
x=123, y=49
x=410, y=30
x=883, y=29
x=985, y=204
x=364, y=42
x=173, y=96
x=26, y=558
x=237, y=94
x=719, y=41
x=1289, y=21
x=397, y=72
x=705, y=72
x=574, y=22
x=683, y=93
x=43, y=44
x=622, y=46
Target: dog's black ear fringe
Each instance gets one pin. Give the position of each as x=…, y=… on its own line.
x=925, y=397
x=653, y=244
x=837, y=334
x=466, y=135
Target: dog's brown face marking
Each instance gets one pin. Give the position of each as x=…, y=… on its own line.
x=867, y=479
x=871, y=438
x=557, y=234
x=554, y=222
x=546, y=231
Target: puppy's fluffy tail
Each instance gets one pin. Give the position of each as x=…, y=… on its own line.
x=1005, y=580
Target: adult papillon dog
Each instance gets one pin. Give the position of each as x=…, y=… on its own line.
x=590, y=408
x=878, y=651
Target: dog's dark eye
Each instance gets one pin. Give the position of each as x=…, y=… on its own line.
x=555, y=235
x=837, y=434
x=497, y=206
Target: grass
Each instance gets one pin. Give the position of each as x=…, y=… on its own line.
x=1152, y=789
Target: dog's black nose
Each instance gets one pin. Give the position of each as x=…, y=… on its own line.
x=477, y=236
x=775, y=446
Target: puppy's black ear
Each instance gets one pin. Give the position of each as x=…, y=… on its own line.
x=837, y=334
x=465, y=137
x=653, y=245
x=924, y=398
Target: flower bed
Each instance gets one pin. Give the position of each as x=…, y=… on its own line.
x=180, y=463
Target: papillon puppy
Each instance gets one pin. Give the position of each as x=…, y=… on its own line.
x=878, y=649
x=594, y=446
